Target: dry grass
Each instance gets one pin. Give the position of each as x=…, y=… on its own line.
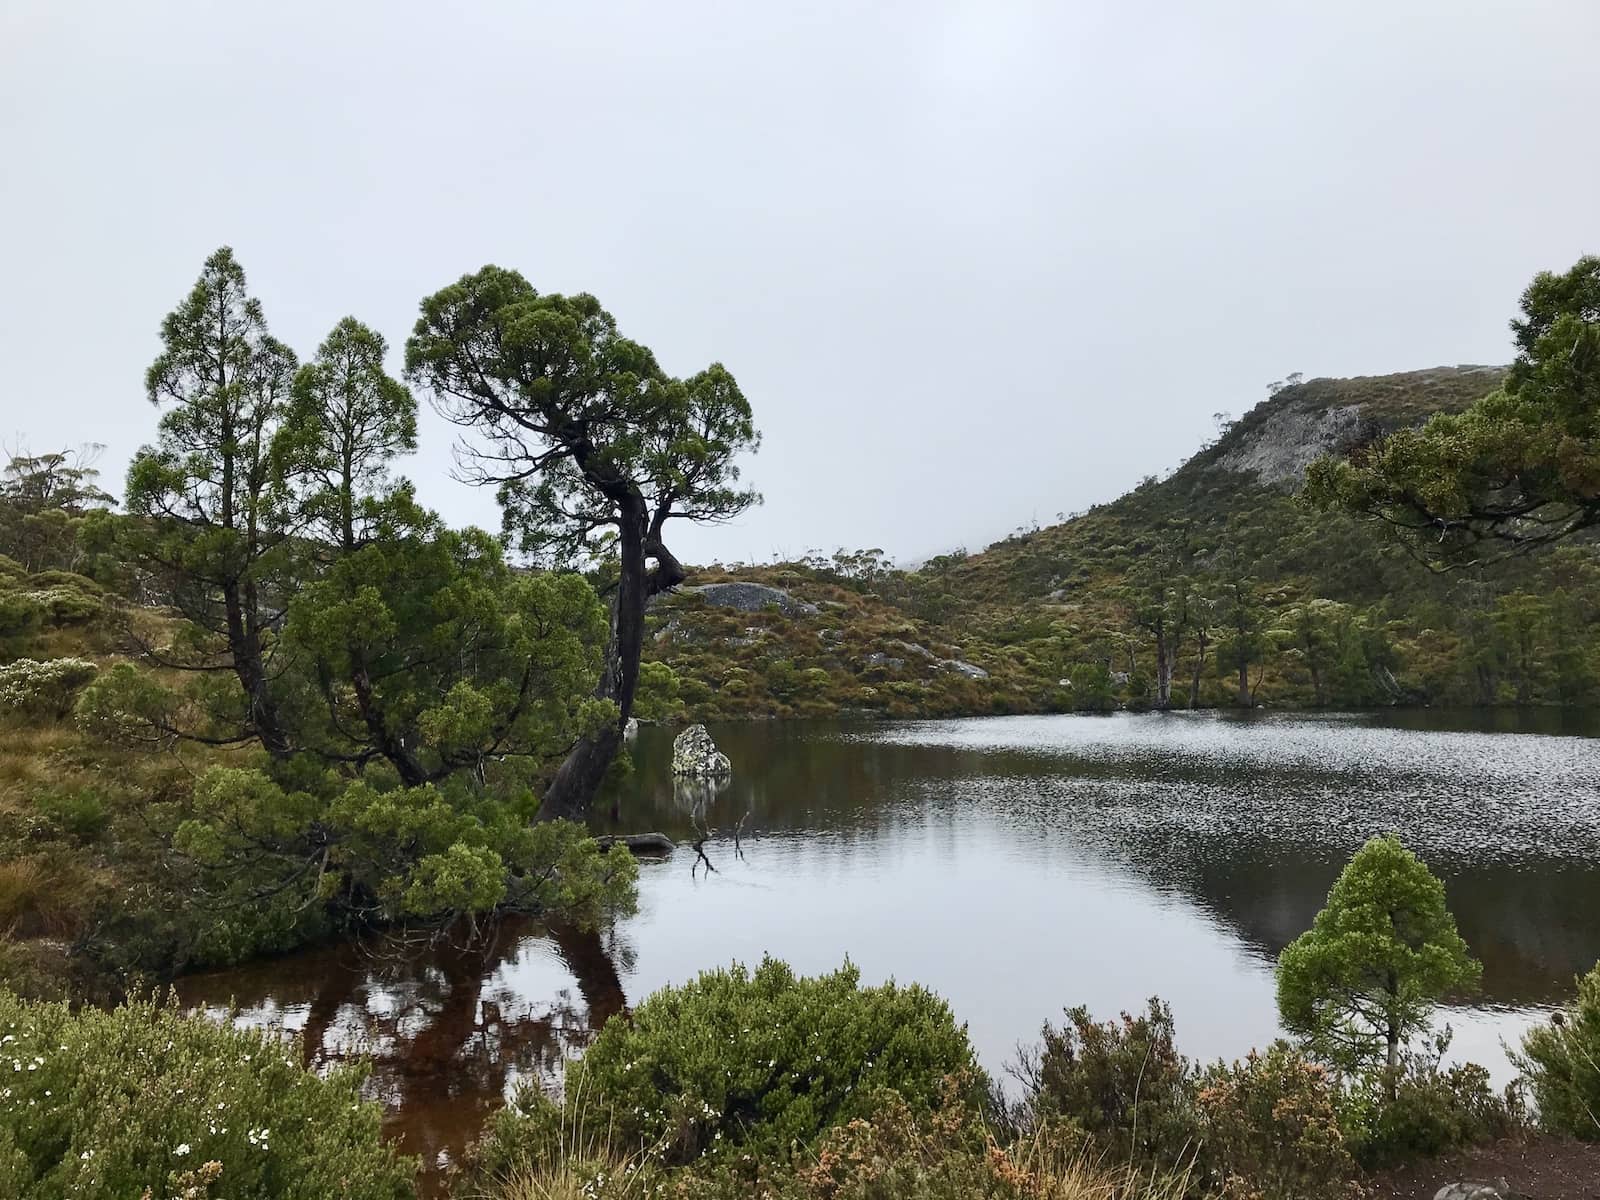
x=24, y=886
x=571, y=1180
x=1081, y=1175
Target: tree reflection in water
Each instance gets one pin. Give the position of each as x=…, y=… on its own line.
x=447, y=1038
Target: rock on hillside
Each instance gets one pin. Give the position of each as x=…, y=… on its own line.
x=1284, y=434
x=1293, y=438
x=750, y=597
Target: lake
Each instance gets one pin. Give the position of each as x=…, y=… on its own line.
x=1017, y=866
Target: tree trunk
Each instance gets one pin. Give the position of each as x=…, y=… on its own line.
x=390, y=744
x=1245, y=699
x=571, y=793
x=1164, y=666
x=1203, y=641
x=1392, y=1075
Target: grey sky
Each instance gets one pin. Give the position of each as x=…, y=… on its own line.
x=973, y=263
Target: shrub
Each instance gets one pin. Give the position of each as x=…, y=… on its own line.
x=892, y=1152
x=1561, y=1062
x=65, y=598
x=1122, y=1082
x=20, y=616
x=1272, y=1127
x=1431, y=1111
x=44, y=690
x=765, y=1062
x=104, y=1105
x=81, y=815
x=45, y=580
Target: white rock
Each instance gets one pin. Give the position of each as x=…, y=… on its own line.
x=695, y=755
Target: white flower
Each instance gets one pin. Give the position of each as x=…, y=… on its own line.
x=183, y=1148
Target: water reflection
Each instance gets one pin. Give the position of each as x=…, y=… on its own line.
x=448, y=1033
x=1015, y=865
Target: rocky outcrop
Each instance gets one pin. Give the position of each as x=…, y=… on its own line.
x=1291, y=439
x=750, y=597
x=963, y=668
x=695, y=756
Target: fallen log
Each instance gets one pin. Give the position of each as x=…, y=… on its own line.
x=638, y=843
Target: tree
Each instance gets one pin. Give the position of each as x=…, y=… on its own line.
x=44, y=499
x=1200, y=612
x=427, y=649
x=1362, y=981
x=1518, y=469
x=208, y=494
x=593, y=447
x=1243, y=620
x=1522, y=620
x=1312, y=632
x=1159, y=610
x=347, y=423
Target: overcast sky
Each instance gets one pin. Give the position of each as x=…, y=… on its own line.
x=973, y=263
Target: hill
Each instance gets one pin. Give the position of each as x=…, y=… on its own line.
x=1212, y=586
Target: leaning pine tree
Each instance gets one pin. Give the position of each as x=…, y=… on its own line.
x=593, y=447
x=1363, y=980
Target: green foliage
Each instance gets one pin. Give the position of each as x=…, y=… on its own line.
x=429, y=650
x=1123, y=1083
x=43, y=690
x=1561, y=1062
x=381, y=854
x=209, y=497
x=346, y=422
x=588, y=430
x=129, y=707
x=1519, y=468
x=1363, y=979
x=757, y=1065
x=104, y=1105
x=44, y=502
x=1429, y=1111
x=659, y=697
x=594, y=448
x=896, y=1151
x=81, y=814
x=1272, y=1127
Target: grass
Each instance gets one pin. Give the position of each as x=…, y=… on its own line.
x=1031, y=1171
x=23, y=884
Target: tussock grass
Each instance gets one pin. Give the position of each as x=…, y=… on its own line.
x=23, y=883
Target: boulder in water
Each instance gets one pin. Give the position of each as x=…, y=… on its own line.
x=696, y=756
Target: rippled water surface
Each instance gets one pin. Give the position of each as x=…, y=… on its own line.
x=1016, y=865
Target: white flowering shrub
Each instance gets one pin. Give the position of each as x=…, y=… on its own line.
x=44, y=690
x=142, y=1100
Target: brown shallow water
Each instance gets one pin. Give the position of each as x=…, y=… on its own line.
x=1016, y=865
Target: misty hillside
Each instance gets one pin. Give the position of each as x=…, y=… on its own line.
x=1182, y=577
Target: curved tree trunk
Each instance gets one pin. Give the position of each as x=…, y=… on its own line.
x=571, y=793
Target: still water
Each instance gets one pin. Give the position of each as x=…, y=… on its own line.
x=1016, y=865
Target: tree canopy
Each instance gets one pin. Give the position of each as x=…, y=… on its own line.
x=1364, y=978
x=1517, y=470
x=593, y=448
